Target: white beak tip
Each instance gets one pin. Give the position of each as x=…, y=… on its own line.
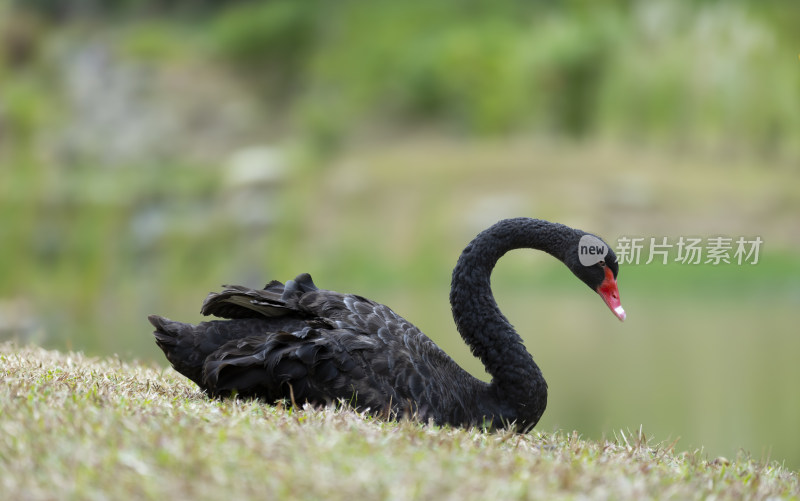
x=620, y=313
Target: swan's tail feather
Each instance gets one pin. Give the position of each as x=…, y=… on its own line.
x=178, y=342
x=188, y=346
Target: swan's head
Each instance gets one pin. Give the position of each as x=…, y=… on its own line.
x=594, y=262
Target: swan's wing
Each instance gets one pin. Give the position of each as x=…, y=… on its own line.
x=301, y=299
x=328, y=346
x=323, y=365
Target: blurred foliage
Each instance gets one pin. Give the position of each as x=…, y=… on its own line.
x=271, y=37
x=123, y=189
x=685, y=71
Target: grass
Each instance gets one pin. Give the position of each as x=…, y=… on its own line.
x=74, y=427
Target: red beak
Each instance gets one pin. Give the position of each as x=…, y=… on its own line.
x=608, y=291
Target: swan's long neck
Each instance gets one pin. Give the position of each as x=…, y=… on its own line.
x=517, y=380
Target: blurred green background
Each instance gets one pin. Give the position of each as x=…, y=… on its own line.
x=151, y=151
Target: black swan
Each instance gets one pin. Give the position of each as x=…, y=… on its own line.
x=301, y=343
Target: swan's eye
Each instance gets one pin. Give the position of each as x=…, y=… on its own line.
x=601, y=264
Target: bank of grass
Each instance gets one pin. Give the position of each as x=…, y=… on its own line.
x=81, y=428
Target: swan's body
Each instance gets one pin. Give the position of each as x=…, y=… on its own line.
x=299, y=342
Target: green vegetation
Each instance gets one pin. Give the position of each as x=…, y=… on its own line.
x=81, y=428
x=677, y=73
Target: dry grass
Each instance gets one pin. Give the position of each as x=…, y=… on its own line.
x=73, y=427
